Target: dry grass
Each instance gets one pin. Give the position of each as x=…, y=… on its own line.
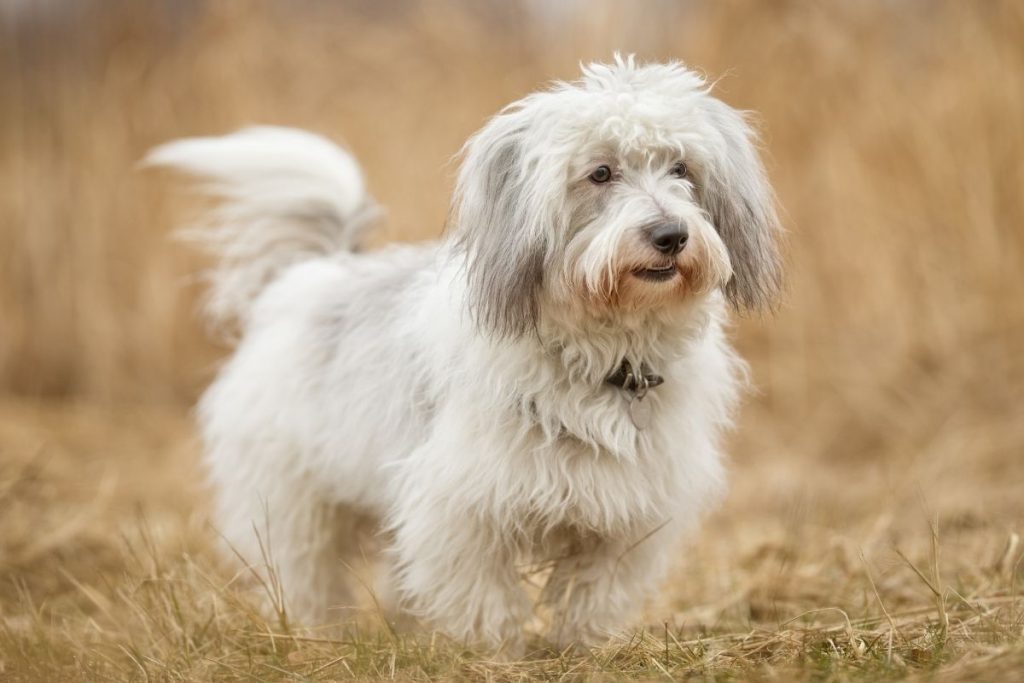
x=890, y=383
x=107, y=575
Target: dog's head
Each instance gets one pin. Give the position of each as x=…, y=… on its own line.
x=630, y=189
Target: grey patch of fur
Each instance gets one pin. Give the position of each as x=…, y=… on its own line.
x=498, y=232
x=740, y=202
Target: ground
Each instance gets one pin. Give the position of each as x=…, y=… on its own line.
x=810, y=570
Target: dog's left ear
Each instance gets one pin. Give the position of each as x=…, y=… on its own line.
x=499, y=222
x=736, y=194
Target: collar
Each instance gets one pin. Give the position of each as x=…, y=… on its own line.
x=627, y=378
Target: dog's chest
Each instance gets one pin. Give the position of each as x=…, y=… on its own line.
x=569, y=483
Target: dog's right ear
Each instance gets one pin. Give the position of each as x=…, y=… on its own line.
x=499, y=224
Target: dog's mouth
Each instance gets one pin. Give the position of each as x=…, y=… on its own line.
x=662, y=274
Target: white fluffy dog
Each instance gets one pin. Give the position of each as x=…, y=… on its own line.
x=547, y=384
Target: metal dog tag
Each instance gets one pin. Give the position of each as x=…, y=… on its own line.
x=640, y=412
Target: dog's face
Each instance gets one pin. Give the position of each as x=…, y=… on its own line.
x=630, y=189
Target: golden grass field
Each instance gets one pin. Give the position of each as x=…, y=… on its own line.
x=877, y=502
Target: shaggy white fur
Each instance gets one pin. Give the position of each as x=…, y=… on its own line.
x=456, y=391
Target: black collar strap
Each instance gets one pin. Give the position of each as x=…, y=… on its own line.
x=624, y=377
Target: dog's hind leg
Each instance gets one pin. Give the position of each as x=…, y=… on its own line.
x=300, y=546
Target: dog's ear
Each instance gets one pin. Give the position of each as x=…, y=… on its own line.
x=498, y=225
x=736, y=194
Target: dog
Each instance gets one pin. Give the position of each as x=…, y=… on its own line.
x=547, y=383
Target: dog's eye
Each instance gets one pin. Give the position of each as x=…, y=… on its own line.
x=680, y=170
x=600, y=175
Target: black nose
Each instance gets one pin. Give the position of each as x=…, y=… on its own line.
x=669, y=238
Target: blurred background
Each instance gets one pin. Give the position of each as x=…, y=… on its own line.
x=894, y=134
x=893, y=131
x=890, y=382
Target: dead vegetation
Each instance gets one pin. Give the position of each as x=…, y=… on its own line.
x=874, y=524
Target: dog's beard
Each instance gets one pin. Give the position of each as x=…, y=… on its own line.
x=627, y=275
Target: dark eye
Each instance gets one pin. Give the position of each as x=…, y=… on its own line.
x=600, y=175
x=680, y=170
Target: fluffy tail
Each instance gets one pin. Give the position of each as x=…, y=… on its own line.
x=287, y=196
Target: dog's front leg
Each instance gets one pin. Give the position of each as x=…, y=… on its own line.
x=455, y=567
x=598, y=586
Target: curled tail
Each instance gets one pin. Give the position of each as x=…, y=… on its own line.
x=287, y=196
